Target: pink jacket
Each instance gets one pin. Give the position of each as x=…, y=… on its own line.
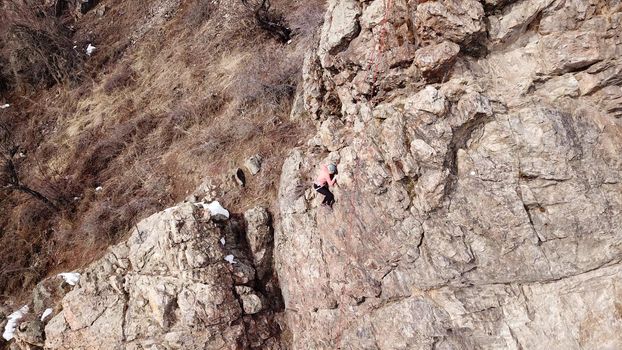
x=323, y=177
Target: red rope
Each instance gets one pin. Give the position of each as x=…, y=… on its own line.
x=374, y=70
x=375, y=62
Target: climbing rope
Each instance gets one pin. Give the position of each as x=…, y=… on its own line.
x=343, y=321
x=374, y=61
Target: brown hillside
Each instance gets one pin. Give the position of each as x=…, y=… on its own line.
x=175, y=92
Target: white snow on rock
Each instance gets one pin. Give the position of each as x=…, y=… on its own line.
x=46, y=313
x=216, y=209
x=170, y=209
x=11, y=324
x=90, y=49
x=229, y=258
x=70, y=277
x=6, y=105
x=222, y=240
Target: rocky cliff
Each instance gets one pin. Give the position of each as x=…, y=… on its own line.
x=478, y=200
x=187, y=278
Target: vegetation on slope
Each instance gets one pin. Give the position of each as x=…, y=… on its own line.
x=174, y=92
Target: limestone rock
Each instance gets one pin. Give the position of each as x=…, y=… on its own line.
x=515, y=20
x=340, y=26
x=436, y=57
x=571, y=51
x=454, y=20
x=600, y=75
x=251, y=302
x=477, y=211
x=239, y=177
x=29, y=334
x=253, y=164
x=168, y=285
x=101, y=11
x=259, y=236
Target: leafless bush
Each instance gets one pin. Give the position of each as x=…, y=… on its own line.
x=121, y=78
x=266, y=78
x=199, y=12
x=269, y=19
x=306, y=18
x=10, y=180
x=37, y=49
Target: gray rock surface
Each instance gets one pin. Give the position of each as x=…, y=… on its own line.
x=436, y=57
x=477, y=211
x=29, y=335
x=253, y=164
x=260, y=238
x=168, y=286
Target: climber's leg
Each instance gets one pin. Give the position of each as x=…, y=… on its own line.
x=329, y=199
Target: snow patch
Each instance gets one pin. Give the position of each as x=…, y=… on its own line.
x=170, y=209
x=215, y=209
x=70, y=277
x=98, y=188
x=11, y=324
x=229, y=258
x=46, y=313
x=90, y=49
x=6, y=105
x=222, y=240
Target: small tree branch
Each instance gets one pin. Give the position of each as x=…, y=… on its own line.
x=268, y=20
x=37, y=195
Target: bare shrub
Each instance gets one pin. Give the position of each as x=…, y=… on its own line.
x=37, y=49
x=199, y=12
x=305, y=18
x=121, y=78
x=269, y=19
x=266, y=78
x=10, y=179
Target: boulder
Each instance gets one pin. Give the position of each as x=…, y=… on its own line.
x=253, y=164
x=259, y=237
x=169, y=284
x=460, y=21
x=340, y=27
x=29, y=335
x=251, y=302
x=437, y=57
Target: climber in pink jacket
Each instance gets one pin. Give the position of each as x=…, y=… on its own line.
x=326, y=178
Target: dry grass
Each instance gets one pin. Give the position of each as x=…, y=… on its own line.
x=169, y=98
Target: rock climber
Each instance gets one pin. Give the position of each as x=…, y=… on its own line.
x=326, y=178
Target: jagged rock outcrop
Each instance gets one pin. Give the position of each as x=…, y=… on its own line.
x=477, y=207
x=181, y=281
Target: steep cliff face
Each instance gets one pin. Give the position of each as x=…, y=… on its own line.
x=479, y=198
